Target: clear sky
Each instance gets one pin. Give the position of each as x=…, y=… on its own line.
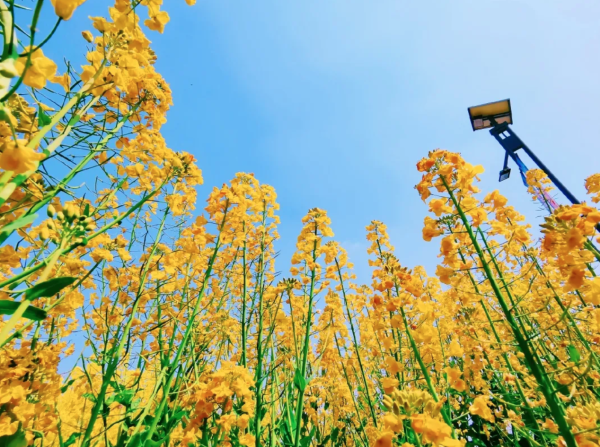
x=333, y=102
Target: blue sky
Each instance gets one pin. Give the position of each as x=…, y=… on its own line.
x=334, y=102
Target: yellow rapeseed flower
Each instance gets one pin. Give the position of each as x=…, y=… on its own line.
x=40, y=70
x=18, y=158
x=65, y=8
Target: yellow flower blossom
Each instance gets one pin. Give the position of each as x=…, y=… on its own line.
x=158, y=21
x=41, y=69
x=480, y=408
x=17, y=157
x=65, y=8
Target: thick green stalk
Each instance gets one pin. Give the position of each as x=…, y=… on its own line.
x=10, y=48
x=244, y=296
x=305, y=349
x=173, y=366
x=504, y=355
x=350, y=388
x=537, y=370
x=258, y=375
x=422, y=366
x=572, y=322
x=520, y=390
x=116, y=353
x=355, y=342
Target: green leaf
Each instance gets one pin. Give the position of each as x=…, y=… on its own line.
x=324, y=441
x=43, y=119
x=15, y=225
x=17, y=439
x=125, y=397
x=89, y=396
x=49, y=288
x=117, y=386
x=299, y=380
x=573, y=353
x=159, y=443
x=66, y=386
x=177, y=416
x=306, y=440
x=140, y=439
x=71, y=439
x=334, y=434
x=135, y=440
x=8, y=307
x=86, y=211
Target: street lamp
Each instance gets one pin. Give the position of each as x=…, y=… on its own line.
x=498, y=116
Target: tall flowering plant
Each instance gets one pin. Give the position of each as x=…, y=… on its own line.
x=130, y=318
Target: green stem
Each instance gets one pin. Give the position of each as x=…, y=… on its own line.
x=187, y=334
x=355, y=342
x=244, y=296
x=258, y=378
x=300, y=403
x=115, y=355
x=536, y=369
x=25, y=273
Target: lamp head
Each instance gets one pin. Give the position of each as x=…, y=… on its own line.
x=490, y=114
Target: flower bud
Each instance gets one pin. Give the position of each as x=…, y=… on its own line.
x=87, y=36
x=388, y=403
x=69, y=212
x=51, y=211
x=44, y=233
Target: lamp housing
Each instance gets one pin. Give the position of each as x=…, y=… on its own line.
x=490, y=114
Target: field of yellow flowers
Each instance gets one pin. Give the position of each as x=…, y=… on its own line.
x=193, y=339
